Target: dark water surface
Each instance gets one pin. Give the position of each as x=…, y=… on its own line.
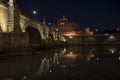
x=72, y=63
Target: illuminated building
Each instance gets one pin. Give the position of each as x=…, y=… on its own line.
x=69, y=29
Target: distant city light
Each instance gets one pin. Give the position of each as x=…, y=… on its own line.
x=112, y=50
x=24, y=77
x=70, y=37
x=70, y=52
x=49, y=23
x=111, y=38
x=50, y=70
x=63, y=66
x=118, y=29
x=97, y=58
x=119, y=58
x=34, y=12
x=106, y=34
x=96, y=30
x=57, y=29
x=58, y=62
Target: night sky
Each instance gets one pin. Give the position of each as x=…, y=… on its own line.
x=87, y=13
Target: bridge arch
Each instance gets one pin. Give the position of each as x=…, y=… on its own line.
x=34, y=36
x=35, y=33
x=36, y=26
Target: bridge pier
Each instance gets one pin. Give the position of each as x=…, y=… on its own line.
x=19, y=31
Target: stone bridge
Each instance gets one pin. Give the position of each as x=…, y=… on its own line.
x=11, y=18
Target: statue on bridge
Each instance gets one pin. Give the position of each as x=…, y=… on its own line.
x=14, y=17
x=14, y=36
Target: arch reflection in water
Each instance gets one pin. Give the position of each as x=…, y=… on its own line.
x=54, y=62
x=44, y=66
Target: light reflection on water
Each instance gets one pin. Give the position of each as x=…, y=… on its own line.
x=77, y=63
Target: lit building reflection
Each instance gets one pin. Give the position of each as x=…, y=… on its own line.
x=71, y=55
x=89, y=56
x=32, y=67
x=56, y=57
x=119, y=58
x=97, y=58
x=111, y=38
x=74, y=55
x=112, y=50
x=44, y=66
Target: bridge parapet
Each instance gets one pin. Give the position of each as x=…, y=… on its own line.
x=9, y=23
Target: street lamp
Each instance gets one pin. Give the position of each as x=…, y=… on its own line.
x=34, y=13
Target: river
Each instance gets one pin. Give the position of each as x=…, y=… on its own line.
x=67, y=63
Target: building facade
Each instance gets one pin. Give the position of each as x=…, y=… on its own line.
x=70, y=30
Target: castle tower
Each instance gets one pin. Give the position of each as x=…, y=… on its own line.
x=13, y=17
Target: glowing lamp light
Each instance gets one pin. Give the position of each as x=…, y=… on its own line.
x=118, y=29
x=24, y=77
x=58, y=62
x=70, y=52
x=106, y=34
x=34, y=12
x=119, y=58
x=71, y=56
x=96, y=30
x=97, y=58
x=112, y=38
x=112, y=51
x=50, y=70
x=70, y=37
x=57, y=29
